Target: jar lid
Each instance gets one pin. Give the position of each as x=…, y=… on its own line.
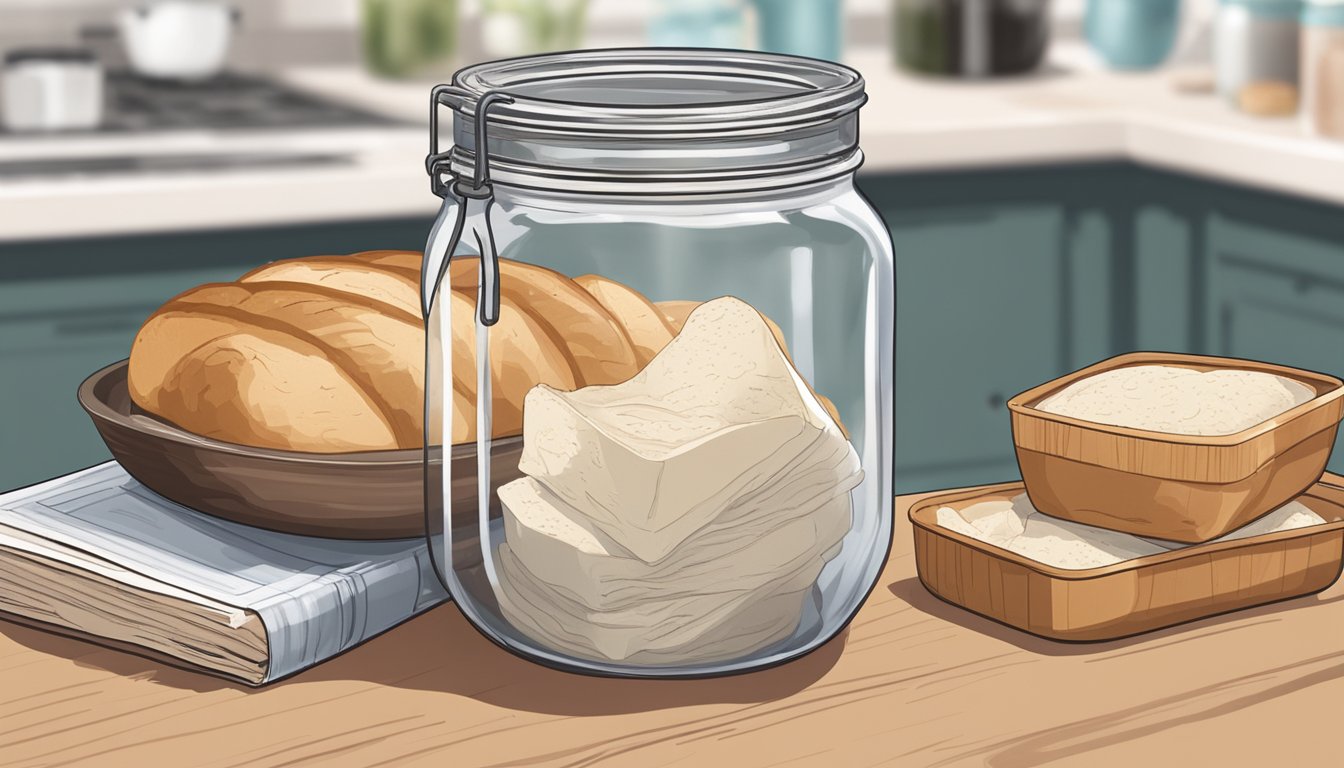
x=670, y=117
x=662, y=91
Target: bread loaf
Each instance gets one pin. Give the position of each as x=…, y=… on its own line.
x=326, y=354
x=649, y=332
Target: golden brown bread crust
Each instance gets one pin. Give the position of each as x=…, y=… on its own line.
x=646, y=327
x=408, y=261
x=379, y=347
x=163, y=340
x=596, y=342
x=326, y=354
x=676, y=312
x=348, y=275
x=275, y=390
x=210, y=321
x=319, y=355
x=521, y=356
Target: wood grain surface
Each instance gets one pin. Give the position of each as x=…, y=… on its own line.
x=914, y=681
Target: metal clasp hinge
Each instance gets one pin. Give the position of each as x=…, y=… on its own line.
x=473, y=210
x=437, y=163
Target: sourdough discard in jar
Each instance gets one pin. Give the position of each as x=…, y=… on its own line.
x=691, y=472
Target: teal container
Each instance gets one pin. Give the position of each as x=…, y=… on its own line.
x=1133, y=34
x=810, y=28
x=697, y=24
x=1322, y=13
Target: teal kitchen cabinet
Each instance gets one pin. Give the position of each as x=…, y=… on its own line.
x=1276, y=291
x=53, y=334
x=1169, y=278
x=1004, y=279
x=69, y=308
x=1008, y=278
x=974, y=340
x=1000, y=285
x=1231, y=271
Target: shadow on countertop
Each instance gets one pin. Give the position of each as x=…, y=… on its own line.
x=439, y=651
x=911, y=591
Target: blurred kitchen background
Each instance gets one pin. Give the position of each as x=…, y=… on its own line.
x=1064, y=180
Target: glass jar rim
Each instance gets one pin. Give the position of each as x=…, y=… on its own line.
x=661, y=91
x=656, y=121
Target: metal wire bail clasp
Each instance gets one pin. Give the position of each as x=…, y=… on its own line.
x=467, y=204
x=468, y=207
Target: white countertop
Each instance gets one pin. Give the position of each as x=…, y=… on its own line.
x=1070, y=111
x=1076, y=110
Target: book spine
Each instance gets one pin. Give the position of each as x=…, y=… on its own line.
x=343, y=609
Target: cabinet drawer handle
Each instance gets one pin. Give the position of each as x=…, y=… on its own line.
x=995, y=400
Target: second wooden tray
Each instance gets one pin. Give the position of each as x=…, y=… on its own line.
x=1133, y=596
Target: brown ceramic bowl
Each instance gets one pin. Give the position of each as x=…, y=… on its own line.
x=1183, y=488
x=371, y=495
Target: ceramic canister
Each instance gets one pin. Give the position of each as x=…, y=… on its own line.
x=1255, y=41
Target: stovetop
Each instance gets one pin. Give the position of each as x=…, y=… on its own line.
x=228, y=107
x=228, y=102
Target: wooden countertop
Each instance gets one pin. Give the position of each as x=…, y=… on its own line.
x=913, y=681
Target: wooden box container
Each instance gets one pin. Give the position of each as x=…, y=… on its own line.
x=1187, y=488
x=1133, y=596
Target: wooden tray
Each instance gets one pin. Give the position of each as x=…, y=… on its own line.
x=1131, y=597
x=1188, y=488
x=371, y=495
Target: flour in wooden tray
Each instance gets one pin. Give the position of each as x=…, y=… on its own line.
x=1015, y=525
x=1178, y=401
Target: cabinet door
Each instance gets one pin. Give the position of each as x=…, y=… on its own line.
x=53, y=334
x=979, y=299
x=1004, y=279
x=71, y=307
x=1168, y=278
x=1278, y=296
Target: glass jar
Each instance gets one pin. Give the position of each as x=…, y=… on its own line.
x=680, y=464
x=1323, y=68
x=1255, y=44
